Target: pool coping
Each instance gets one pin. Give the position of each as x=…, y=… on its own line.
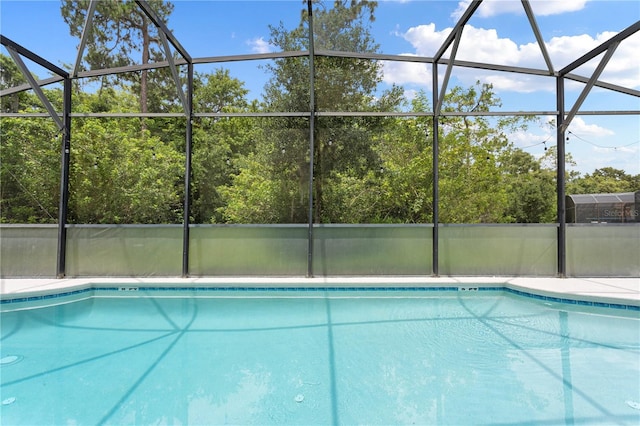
x=620, y=292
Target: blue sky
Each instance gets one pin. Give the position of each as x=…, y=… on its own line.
x=499, y=32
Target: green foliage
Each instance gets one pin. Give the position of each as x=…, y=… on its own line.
x=253, y=197
x=119, y=175
x=477, y=181
x=406, y=173
x=219, y=146
x=10, y=76
x=30, y=172
x=344, y=148
x=605, y=180
x=120, y=29
x=280, y=149
x=366, y=169
x=255, y=170
x=531, y=190
x=353, y=199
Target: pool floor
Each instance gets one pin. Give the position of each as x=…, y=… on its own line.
x=320, y=358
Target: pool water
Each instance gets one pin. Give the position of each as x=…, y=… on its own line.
x=320, y=358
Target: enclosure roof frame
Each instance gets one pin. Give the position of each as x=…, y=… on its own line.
x=17, y=51
x=86, y=30
x=455, y=34
x=151, y=14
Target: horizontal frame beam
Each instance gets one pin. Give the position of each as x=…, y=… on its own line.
x=251, y=57
x=374, y=56
x=604, y=85
x=293, y=54
x=318, y=114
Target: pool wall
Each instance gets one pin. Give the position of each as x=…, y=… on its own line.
x=89, y=289
x=339, y=250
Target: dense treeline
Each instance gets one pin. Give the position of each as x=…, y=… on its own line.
x=367, y=169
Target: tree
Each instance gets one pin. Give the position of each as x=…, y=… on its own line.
x=406, y=184
x=482, y=178
x=121, y=177
x=604, y=180
x=10, y=76
x=254, y=196
x=472, y=153
x=119, y=174
x=531, y=189
x=30, y=170
x=218, y=142
x=30, y=155
x=119, y=28
x=344, y=148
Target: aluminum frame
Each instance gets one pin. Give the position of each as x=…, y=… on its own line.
x=563, y=118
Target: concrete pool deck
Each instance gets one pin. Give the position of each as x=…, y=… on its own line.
x=625, y=291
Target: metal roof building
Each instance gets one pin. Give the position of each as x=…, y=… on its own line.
x=603, y=208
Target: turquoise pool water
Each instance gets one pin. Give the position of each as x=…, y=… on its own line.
x=319, y=357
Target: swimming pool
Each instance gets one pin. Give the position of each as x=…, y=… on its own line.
x=318, y=356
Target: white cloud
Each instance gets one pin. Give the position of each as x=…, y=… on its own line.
x=477, y=44
x=519, y=83
x=586, y=131
x=590, y=146
x=406, y=73
x=486, y=45
x=622, y=149
x=260, y=45
x=490, y=8
x=425, y=39
x=462, y=6
x=622, y=69
x=556, y=7
x=525, y=139
x=410, y=94
x=597, y=158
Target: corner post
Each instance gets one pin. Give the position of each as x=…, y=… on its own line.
x=436, y=165
x=187, y=173
x=560, y=183
x=312, y=126
x=64, y=181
